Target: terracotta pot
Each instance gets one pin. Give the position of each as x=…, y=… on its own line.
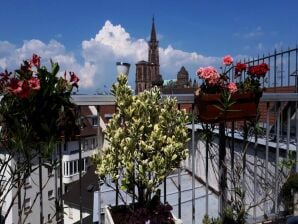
x=244, y=108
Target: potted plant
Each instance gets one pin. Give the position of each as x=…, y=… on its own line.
x=147, y=140
x=219, y=100
x=36, y=109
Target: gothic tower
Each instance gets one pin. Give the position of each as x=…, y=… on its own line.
x=147, y=73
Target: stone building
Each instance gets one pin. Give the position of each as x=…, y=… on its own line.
x=148, y=74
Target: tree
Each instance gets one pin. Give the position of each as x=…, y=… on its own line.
x=147, y=139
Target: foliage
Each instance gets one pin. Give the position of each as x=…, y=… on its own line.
x=35, y=108
x=208, y=220
x=147, y=137
x=287, y=190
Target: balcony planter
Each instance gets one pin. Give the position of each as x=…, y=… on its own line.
x=122, y=212
x=209, y=106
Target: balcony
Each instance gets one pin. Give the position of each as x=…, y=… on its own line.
x=194, y=188
x=262, y=162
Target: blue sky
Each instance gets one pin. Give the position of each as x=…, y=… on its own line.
x=89, y=36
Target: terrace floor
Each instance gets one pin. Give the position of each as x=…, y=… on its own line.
x=108, y=198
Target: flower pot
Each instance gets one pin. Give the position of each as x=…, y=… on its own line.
x=210, y=110
x=122, y=210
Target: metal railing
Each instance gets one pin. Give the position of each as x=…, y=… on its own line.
x=283, y=67
x=277, y=141
x=263, y=161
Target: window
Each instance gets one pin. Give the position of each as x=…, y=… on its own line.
x=50, y=171
x=59, y=147
x=64, y=169
x=50, y=194
x=65, y=147
x=27, y=204
x=94, y=142
x=75, y=166
x=94, y=121
x=85, y=143
x=70, y=213
x=59, y=192
x=83, y=164
x=27, y=183
x=71, y=168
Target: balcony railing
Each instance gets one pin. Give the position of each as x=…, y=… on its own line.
x=262, y=162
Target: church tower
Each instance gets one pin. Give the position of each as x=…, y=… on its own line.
x=147, y=73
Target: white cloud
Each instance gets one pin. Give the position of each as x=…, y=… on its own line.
x=112, y=43
x=260, y=47
x=258, y=31
x=96, y=68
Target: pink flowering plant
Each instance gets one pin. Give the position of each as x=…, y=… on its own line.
x=36, y=107
x=215, y=82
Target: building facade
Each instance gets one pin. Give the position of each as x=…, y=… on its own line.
x=147, y=72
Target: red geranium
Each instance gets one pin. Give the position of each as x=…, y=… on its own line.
x=74, y=79
x=34, y=83
x=258, y=70
x=35, y=61
x=239, y=68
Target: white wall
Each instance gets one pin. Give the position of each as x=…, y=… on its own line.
x=31, y=191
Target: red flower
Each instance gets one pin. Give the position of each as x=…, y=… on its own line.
x=20, y=88
x=34, y=83
x=258, y=70
x=74, y=79
x=25, y=90
x=240, y=67
x=35, y=61
x=15, y=86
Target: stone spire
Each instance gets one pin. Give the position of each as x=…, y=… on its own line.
x=153, y=54
x=153, y=32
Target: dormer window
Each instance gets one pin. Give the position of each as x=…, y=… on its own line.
x=94, y=121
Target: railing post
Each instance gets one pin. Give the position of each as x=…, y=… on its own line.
x=179, y=184
x=193, y=154
x=222, y=168
x=267, y=157
x=276, y=175
x=207, y=177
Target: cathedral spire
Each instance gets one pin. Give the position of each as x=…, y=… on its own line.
x=153, y=32
x=153, y=54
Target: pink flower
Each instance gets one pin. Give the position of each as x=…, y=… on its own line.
x=232, y=87
x=35, y=61
x=34, y=83
x=15, y=86
x=25, y=90
x=209, y=74
x=74, y=79
x=227, y=60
